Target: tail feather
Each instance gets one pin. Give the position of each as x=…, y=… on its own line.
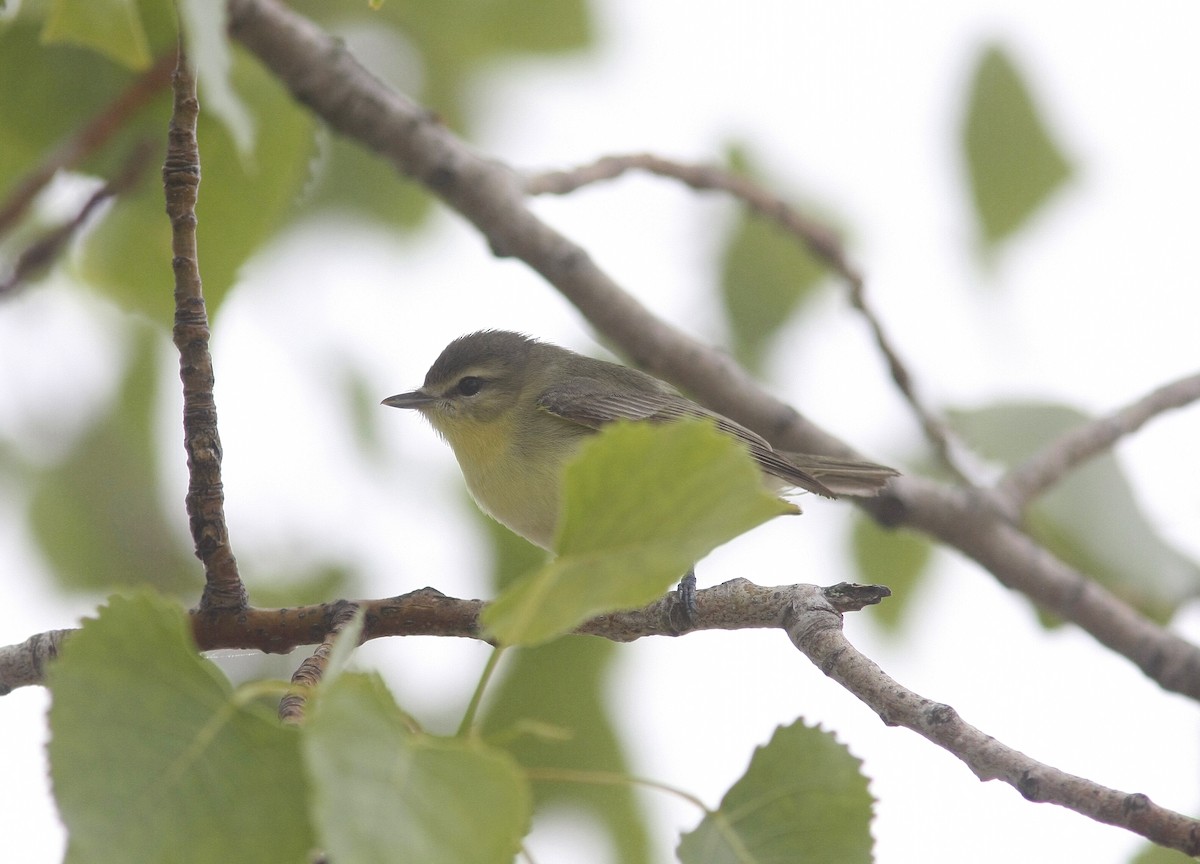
x=844, y=476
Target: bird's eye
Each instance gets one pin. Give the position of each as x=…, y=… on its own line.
x=470, y=385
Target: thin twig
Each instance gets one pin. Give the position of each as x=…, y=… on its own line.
x=822, y=242
x=87, y=140
x=40, y=254
x=223, y=588
x=821, y=639
x=312, y=670
x=1048, y=466
x=24, y=665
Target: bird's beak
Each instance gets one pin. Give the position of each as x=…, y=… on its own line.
x=416, y=399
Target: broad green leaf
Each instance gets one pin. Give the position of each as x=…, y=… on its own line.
x=1091, y=519
x=98, y=515
x=112, y=27
x=766, y=276
x=1013, y=163
x=76, y=82
x=241, y=205
x=643, y=503
x=803, y=798
x=153, y=757
x=895, y=558
x=382, y=793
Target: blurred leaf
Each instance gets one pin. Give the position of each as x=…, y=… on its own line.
x=98, y=516
x=895, y=558
x=1013, y=163
x=308, y=584
x=563, y=686
x=1151, y=854
x=803, y=798
x=512, y=555
x=241, y=204
x=766, y=275
x=154, y=759
x=382, y=793
x=33, y=76
x=112, y=27
x=446, y=44
x=643, y=503
x=1091, y=519
x=349, y=178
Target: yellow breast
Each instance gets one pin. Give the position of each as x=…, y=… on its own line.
x=517, y=485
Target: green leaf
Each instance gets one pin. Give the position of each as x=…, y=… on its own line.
x=766, y=276
x=32, y=76
x=563, y=686
x=382, y=793
x=305, y=582
x=349, y=178
x=241, y=204
x=442, y=46
x=1013, y=163
x=642, y=503
x=98, y=515
x=1091, y=519
x=112, y=27
x=895, y=558
x=803, y=798
x=155, y=759
x=1151, y=854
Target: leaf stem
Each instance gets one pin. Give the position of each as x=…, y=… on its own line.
x=466, y=727
x=612, y=778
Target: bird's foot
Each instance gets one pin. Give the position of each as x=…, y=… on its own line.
x=681, y=605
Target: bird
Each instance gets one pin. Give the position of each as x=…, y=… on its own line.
x=516, y=410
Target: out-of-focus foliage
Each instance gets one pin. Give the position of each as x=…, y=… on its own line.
x=1013, y=163
x=98, y=515
x=1161, y=855
x=431, y=50
x=264, y=165
x=766, y=275
x=1091, y=519
x=897, y=559
x=112, y=27
x=243, y=202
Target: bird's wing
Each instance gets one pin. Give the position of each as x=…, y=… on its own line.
x=595, y=402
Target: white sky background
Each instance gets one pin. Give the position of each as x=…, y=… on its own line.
x=856, y=105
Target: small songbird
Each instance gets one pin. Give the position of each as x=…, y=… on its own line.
x=516, y=410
